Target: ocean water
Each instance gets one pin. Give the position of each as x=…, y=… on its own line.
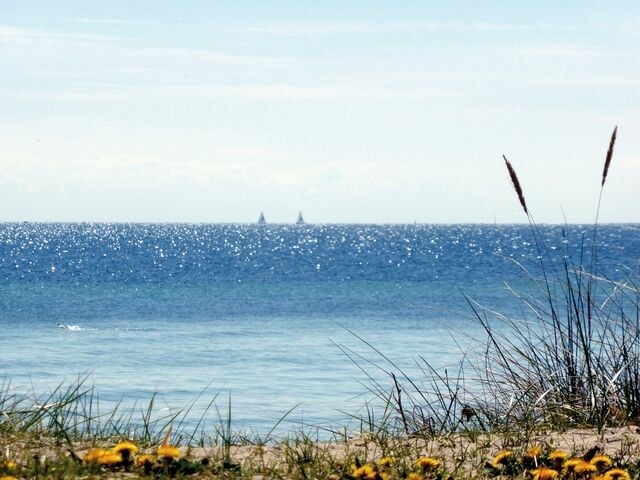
x=257, y=313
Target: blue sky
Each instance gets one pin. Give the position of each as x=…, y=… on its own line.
x=382, y=112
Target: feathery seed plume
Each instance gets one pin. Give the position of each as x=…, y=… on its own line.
x=607, y=161
x=516, y=184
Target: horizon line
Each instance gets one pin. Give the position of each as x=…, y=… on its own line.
x=280, y=224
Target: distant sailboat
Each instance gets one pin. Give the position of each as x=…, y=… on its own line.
x=300, y=220
x=261, y=219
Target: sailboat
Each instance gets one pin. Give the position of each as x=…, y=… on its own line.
x=300, y=220
x=261, y=220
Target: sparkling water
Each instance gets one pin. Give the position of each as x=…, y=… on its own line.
x=261, y=314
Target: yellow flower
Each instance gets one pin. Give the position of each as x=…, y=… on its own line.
x=125, y=446
x=110, y=458
x=386, y=461
x=427, y=463
x=414, y=476
x=8, y=477
x=364, y=472
x=94, y=456
x=584, y=468
x=384, y=475
x=558, y=455
x=501, y=457
x=571, y=464
x=534, y=452
x=544, y=473
x=146, y=458
x=602, y=461
x=617, y=474
x=9, y=464
x=168, y=452
x=530, y=457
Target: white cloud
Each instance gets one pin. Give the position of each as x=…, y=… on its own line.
x=204, y=55
x=249, y=167
x=29, y=35
x=82, y=91
x=398, y=27
x=303, y=91
x=79, y=68
x=100, y=21
x=566, y=50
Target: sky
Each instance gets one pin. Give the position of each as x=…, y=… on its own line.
x=349, y=111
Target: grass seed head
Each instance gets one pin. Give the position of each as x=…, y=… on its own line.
x=516, y=184
x=607, y=161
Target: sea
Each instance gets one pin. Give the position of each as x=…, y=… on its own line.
x=274, y=326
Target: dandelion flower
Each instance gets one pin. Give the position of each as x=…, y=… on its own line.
x=94, y=456
x=427, y=463
x=386, y=461
x=602, y=461
x=534, y=451
x=414, y=476
x=8, y=477
x=558, y=455
x=364, y=472
x=146, y=459
x=571, y=464
x=585, y=468
x=168, y=452
x=530, y=457
x=544, y=473
x=557, y=458
x=110, y=459
x=10, y=464
x=125, y=446
x=502, y=457
x=617, y=474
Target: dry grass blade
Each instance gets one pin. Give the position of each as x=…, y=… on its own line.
x=607, y=162
x=516, y=184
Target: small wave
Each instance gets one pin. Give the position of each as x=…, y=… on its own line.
x=75, y=328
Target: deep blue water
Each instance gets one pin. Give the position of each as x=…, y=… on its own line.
x=256, y=311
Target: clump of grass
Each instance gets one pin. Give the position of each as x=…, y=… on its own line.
x=379, y=454
x=575, y=359
x=572, y=359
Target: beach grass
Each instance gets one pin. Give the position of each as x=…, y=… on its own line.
x=553, y=394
